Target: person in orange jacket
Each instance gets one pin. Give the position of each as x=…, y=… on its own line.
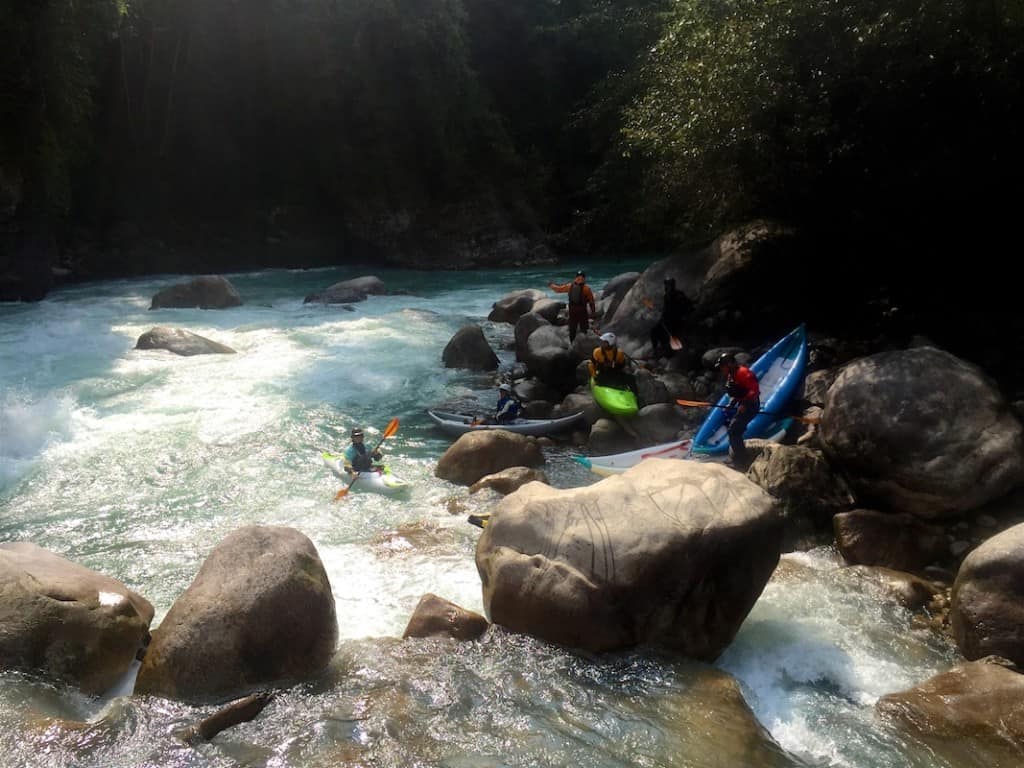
x=581, y=299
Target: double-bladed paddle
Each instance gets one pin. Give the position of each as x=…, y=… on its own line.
x=705, y=404
x=389, y=430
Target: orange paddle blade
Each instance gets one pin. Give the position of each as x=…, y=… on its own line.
x=695, y=403
x=341, y=494
x=391, y=428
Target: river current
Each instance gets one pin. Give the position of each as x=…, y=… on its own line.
x=137, y=463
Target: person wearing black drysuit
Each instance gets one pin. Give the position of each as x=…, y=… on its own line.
x=675, y=306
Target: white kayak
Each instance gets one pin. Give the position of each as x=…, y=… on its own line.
x=379, y=480
x=460, y=423
x=617, y=463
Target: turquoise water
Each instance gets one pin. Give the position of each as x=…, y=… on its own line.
x=136, y=463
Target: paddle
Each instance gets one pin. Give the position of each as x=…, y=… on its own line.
x=389, y=430
x=673, y=342
x=704, y=404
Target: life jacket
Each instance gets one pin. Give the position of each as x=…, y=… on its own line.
x=359, y=457
x=576, y=294
x=614, y=358
x=743, y=385
x=506, y=410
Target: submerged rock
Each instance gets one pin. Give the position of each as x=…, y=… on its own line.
x=180, y=342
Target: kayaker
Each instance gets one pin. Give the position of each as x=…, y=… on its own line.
x=675, y=306
x=608, y=365
x=742, y=386
x=357, y=457
x=507, y=409
x=582, y=307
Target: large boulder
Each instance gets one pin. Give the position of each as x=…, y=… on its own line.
x=907, y=444
x=987, y=611
x=206, y=292
x=971, y=715
x=259, y=612
x=486, y=452
x=526, y=325
x=547, y=356
x=510, y=307
x=180, y=342
x=469, y=349
x=902, y=542
x=614, y=290
x=349, y=291
x=63, y=620
x=670, y=554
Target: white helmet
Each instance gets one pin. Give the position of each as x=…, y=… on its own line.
x=504, y=388
x=609, y=337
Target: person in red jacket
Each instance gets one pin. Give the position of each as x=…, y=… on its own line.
x=742, y=386
x=580, y=299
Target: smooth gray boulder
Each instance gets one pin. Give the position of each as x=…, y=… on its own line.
x=670, y=554
x=486, y=452
x=206, y=292
x=469, y=349
x=987, y=608
x=180, y=342
x=260, y=612
x=349, y=291
x=65, y=621
x=921, y=431
x=510, y=307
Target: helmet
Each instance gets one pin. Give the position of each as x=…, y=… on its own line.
x=609, y=337
x=504, y=387
x=670, y=282
x=726, y=358
x=580, y=273
x=357, y=432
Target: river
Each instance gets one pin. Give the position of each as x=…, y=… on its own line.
x=136, y=463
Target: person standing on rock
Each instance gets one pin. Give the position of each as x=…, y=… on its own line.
x=742, y=386
x=581, y=303
x=676, y=305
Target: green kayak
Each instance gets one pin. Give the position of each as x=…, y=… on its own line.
x=618, y=402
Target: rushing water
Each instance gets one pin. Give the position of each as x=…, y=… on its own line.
x=136, y=463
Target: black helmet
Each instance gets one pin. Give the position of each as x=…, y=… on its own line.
x=580, y=273
x=357, y=432
x=726, y=358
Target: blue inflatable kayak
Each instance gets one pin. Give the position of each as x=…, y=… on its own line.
x=780, y=373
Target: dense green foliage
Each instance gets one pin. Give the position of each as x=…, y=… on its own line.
x=52, y=54
x=417, y=128
x=868, y=116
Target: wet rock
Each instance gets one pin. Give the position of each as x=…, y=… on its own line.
x=469, y=349
x=480, y=453
x=436, y=617
x=206, y=292
x=180, y=342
